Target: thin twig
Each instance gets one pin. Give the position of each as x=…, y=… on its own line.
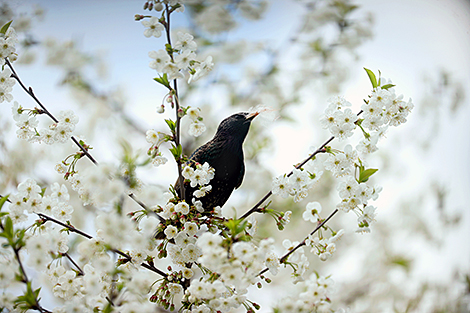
x=75, y=230
x=255, y=208
x=82, y=273
x=285, y=256
x=132, y=196
x=147, y=266
x=25, y=280
x=23, y=272
x=177, y=107
x=30, y=92
x=69, y=227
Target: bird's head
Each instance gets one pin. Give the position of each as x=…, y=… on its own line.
x=236, y=125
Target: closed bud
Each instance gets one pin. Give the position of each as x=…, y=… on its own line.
x=146, y=5
x=150, y=6
x=158, y=6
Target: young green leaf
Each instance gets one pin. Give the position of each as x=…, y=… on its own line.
x=372, y=77
x=2, y=201
x=171, y=125
x=163, y=80
x=365, y=174
x=387, y=86
x=5, y=27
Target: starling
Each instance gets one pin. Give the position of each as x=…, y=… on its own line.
x=224, y=153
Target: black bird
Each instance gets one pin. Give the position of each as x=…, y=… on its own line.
x=224, y=153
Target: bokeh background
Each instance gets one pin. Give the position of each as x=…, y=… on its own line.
x=91, y=57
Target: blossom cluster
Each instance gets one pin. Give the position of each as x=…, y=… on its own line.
x=339, y=120
x=31, y=199
x=180, y=57
x=197, y=127
x=6, y=85
x=236, y=270
x=201, y=176
x=8, y=40
x=28, y=125
x=323, y=247
x=296, y=185
x=156, y=139
x=298, y=260
x=314, y=296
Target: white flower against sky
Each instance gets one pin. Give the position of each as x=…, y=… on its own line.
x=184, y=41
x=154, y=27
x=312, y=212
x=193, y=113
x=152, y=136
x=67, y=119
x=272, y=262
x=183, y=59
x=201, y=69
x=6, y=81
x=159, y=160
x=280, y=186
x=161, y=59
x=196, y=128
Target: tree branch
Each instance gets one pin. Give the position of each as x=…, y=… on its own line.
x=75, y=230
x=255, y=208
x=177, y=106
x=285, y=256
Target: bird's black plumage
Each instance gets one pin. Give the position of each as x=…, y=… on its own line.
x=224, y=153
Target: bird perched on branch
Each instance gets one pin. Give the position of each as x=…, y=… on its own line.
x=224, y=153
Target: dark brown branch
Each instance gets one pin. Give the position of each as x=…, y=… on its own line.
x=145, y=265
x=30, y=92
x=177, y=106
x=75, y=230
x=25, y=279
x=255, y=208
x=74, y=263
x=69, y=227
x=131, y=195
x=285, y=256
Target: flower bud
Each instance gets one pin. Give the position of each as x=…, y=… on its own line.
x=158, y=6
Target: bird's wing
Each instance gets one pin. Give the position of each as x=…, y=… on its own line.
x=206, y=153
x=240, y=177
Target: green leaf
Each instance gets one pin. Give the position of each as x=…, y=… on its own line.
x=29, y=300
x=171, y=125
x=2, y=201
x=365, y=174
x=372, y=77
x=8, y=229
x=163, y=80
x=5, y=27
x=387, y=86
x=176, y=151
x=236, y=226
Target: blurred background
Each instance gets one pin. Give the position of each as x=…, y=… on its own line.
x=91, y=57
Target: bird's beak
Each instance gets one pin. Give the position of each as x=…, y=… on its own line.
x=251, y=116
